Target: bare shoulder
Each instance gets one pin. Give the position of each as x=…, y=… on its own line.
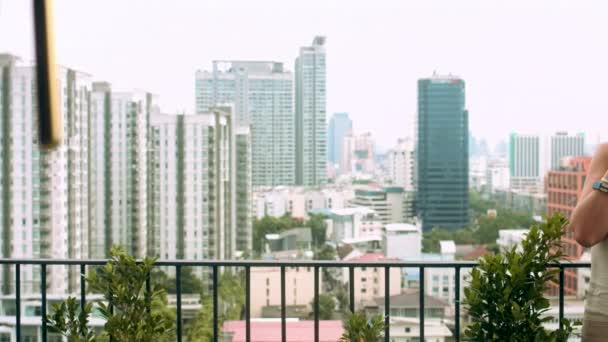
x=599, y=163
x=602, y=150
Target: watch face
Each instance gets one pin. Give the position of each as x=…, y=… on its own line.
x=600, y=186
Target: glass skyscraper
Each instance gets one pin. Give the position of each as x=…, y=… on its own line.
x=311, y=127
x=442, y=153
x=339, y=126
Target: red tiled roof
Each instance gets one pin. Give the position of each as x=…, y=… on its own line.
x=297, y=331
x=371, y=257
x=476, y=254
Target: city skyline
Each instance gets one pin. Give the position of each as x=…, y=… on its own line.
x=500, y=99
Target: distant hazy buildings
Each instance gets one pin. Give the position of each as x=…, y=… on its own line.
x=358, y=154
x=311, y=134
x=563, y=145
x=402, y=241
x=442, y=153
x=299, y=201
x=391, y=204
x=564, y=189
x=262, y=95
x=497, y=175
x=524, y=161
x=400, y=163
x=353, y=223
x=340, y=125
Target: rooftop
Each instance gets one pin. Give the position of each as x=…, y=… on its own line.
x=269, y=330
x=412, y=300
x=401, y=227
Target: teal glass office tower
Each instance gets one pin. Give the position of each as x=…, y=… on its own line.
x=442, y=153
x=340, y=125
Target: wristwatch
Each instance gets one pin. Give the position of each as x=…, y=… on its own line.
x=601, y=185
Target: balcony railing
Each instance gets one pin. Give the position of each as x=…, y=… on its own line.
x=283, y=265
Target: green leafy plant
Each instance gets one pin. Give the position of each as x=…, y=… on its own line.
x=358, y=328
x=506, y=297
x=131, y=312
x=67, y=319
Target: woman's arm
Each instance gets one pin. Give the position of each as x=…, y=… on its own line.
x=590, y=217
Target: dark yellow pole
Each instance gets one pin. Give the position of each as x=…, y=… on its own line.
x=49, y=110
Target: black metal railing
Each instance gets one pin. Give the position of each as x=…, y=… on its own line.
x=247, y=265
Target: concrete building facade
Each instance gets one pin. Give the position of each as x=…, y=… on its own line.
x=311, y=129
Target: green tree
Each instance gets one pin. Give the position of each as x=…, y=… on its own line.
x=189, y=283
x=231, y=298
x=327, y=306
x=318, y=229
x=271, y=225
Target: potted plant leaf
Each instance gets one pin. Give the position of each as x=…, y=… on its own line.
x=506, y=299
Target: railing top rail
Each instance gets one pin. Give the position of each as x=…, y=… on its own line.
x=279, y=263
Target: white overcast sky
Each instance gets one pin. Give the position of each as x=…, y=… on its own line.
x=529, y=66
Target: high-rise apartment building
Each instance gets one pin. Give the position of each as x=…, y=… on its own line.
x=358, y=154
x=340, y=125
x=43, y=194
x=564, y=189
x=262, y=96
x=311, y=134
x=442, y=153
x=524, y=161
x=197, y=200
x=242, y=177
x=400, y=162
x=118, y=169
x=563, y=145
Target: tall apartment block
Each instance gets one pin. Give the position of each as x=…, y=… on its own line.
x=311, y=129
x=563, y=145
x=340, y=125
x=400, y=162
x=43, y=194
x=118, y=169
x=358, y=154
x=442, y=189
x=198, y=203
x=564, y=189
x=262, y=96
x=524, y=161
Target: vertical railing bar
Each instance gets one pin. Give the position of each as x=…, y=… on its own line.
x=561, y=296
x=247, y=303
x=148, y=290
x=351, y=288
x=43, y=299
x=216, y=336
x=83, y=294
x=457, y=303
x=387, y=304
x=283, y=307
x=18, y=300
x=316, y=301
x=421, y=294
x=178, y=287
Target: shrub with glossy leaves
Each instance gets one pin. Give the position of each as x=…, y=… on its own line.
x=131, y=312
x=358, y=328
x=506, y=297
